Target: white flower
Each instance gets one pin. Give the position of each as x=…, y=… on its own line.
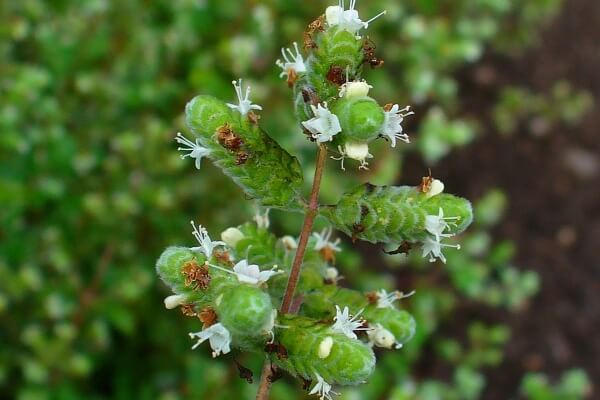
x=322, y=388
x=324, y=125
x=206, y=245
x=381, y=337
x=218, y=337
x=355, y=89
x=356, y=151
x=347, y=19
x=435, y=187
x=294, y=62
x=346, y=324
x=262, y=220
x=432, y=248
x=325, y=347
x=323, y=240
x=437, y=224
x=386, y=300
x=231, y=236
x=245, y=105
x=289, y=242
x=252, y=274
x=392, y=126
x=174, y=301
x=196, y=151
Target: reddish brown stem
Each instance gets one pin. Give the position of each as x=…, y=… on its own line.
x=309, y=219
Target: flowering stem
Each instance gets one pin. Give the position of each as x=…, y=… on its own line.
x=288, y=296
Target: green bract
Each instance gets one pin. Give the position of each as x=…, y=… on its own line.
x=263, y=169
x=393, y=214
x=347, y=362
x=361, y=118
x=247, y=312
x=337, y=52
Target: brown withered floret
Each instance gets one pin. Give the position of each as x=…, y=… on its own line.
x=388, y=107
x=425, y=185
x=253, y=117
x=222, y=256
x=336, y=75
x=228, y=139
x=196, y=276
x=276, y=374
x=306, y=383
x=292, y=77
x=356, y=230
x=309, y=43
x=372, y=297
x=364, y=211
x=328, y=254
x=310, y=96
x=369, y=54
x=404, y=248
x=208, y=316
x=244, y=372
x=241, y=158
x=317, y=25
x=278, y=349
x=188, y=310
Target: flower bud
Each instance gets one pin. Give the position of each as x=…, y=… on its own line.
x=325, y=347
x=361, y=118
x=356, y=151
x=331, y=273
x=355, y=89
x=174, y=301
x=231, y=236
x=245, y=311
x=381, y=337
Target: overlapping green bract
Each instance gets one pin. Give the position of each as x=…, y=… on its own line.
x=348, y=362
x=394, y=214
x=262, y=168
x=334, y=53
x=361, y=117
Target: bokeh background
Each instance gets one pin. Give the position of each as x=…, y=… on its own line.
x=92, y=190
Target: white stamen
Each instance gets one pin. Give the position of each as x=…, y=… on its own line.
x=195, y=150
x=245, y=105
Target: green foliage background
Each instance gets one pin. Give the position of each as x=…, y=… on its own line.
x=91, y=187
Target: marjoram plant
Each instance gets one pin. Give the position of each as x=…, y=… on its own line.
x=258, y=293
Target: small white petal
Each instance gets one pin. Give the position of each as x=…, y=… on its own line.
x=436, y=188
x=206, y=244
x=244, y=105
x=218, y=337
x=324, y=125
x=323, y=240
x=291, y=61
x=195, y=150
x=392, y=126
x=346, y=324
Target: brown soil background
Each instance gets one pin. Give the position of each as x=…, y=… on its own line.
x=554, y=213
